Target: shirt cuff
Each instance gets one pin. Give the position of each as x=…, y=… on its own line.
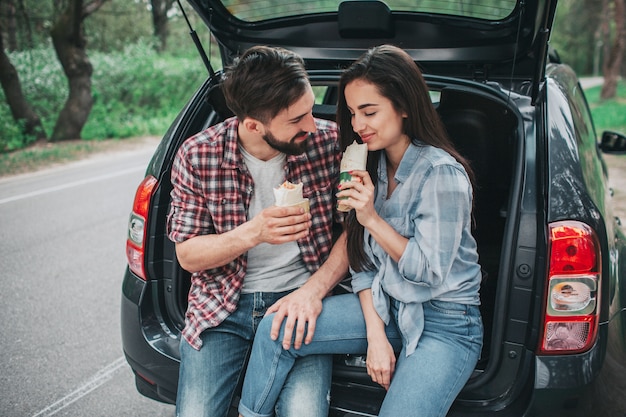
x=362, y=280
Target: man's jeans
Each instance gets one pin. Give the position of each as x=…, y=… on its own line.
x=424, y=383
x=209, y=378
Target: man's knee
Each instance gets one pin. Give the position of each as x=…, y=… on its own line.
x=306, y=392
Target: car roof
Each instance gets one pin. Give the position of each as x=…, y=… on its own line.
x=486, y=39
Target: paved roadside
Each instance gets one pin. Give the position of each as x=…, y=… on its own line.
x=617, y=181
x=109, y=148
x=588, y=82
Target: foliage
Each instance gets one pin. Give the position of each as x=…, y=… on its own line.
x=118, y=23
x=136, y=91
x=574, y=34
x=139, y=91
x=577, y=37
x=45, y=87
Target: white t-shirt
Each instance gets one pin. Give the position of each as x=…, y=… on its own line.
x=271, y=268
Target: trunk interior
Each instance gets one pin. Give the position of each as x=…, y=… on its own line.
x=484, y=131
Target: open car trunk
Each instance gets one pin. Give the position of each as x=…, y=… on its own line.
x=487, y=131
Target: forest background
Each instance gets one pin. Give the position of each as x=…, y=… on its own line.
x=142, y=66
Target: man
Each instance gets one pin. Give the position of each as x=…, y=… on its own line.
x=248, y=256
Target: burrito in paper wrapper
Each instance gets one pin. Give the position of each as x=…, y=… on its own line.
x=354, y=157
x=289, y=194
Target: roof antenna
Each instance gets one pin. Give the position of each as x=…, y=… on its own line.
x=522, y=4
x=196, y=41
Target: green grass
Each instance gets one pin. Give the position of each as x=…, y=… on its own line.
x=608, y=114
x=40, y=155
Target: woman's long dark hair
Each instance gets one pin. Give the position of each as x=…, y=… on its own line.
x=397, y=78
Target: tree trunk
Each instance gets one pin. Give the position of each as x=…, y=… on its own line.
x=20, y=109
x=7, y=8
x=69, y=42
x=159, y=21
x=613, y=60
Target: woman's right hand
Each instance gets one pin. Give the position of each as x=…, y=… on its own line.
x=360, y=196
x=381, y=360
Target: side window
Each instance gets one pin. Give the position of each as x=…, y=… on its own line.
x=320, y=93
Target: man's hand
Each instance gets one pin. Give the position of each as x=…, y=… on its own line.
x=277, y=225
x=274, y=225
x=298, y=310
x=301, y=308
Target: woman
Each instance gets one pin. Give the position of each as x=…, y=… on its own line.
x=413, y=259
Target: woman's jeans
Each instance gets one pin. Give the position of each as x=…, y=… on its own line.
x=423, y=384
x=209, y=377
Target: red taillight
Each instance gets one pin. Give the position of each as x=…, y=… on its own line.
x=572, y=294
x=136, y=239
x=572, y=249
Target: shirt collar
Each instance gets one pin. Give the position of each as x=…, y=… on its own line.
x=232, y=156
x=406, y=164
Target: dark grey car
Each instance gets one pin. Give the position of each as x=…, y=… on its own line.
x=554, y=292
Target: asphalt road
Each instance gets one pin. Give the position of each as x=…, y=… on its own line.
x=62, y=257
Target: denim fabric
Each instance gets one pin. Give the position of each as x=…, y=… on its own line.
x=209, y=377
x=425, y=383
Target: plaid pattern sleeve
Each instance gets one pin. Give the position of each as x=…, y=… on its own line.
x=205, y=199
x=188, y=210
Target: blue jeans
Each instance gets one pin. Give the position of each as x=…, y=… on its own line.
x=423, y=384
x=209, y=378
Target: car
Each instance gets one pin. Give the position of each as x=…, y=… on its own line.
x=553, y=296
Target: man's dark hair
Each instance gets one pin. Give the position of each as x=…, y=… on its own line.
x=263, y=82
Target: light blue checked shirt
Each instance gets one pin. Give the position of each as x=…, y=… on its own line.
x=431, y=206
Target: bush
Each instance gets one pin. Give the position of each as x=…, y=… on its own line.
x=45, y=87
x=136, y=92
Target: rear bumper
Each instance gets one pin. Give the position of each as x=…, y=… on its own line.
x=150, y=350
x=589, y=384
x=574, y=384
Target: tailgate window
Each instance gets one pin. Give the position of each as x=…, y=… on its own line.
x=259, y=10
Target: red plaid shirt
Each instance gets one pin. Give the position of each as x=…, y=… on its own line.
x=211, y=194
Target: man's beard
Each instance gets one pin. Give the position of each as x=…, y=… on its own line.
x=290, y=148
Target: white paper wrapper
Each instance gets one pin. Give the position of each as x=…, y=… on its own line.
x=289, y=194
x=354, y=157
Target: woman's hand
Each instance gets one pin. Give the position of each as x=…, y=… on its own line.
x=381, y=361
x=360, y=196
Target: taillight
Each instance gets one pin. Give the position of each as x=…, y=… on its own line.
x=136, y=239
x=572, y=295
